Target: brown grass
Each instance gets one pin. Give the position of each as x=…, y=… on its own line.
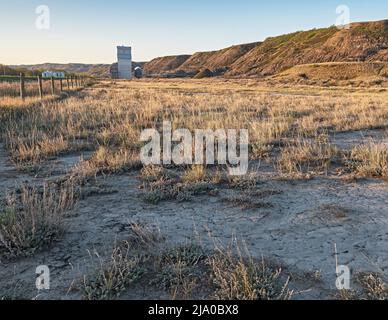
x=370, y=160
x=114, y=276
x=33, y=219
x=238, y=278
x=373, y=286
x=290, y=130
x=305, y=156
x=109, y=120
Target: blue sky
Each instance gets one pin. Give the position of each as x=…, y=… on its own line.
x=87, y=31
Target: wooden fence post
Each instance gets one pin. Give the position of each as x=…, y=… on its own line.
x=22, y=88
x=61, y=84
x=52, y=86
x=40, y=87
x=68, y=83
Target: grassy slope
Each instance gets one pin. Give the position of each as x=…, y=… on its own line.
x=337, y=71
x=362, y=42
x=213, y=60
x=217, y=59
x=165, y=64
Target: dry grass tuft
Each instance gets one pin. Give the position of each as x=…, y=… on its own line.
x=105, y=161
x=165, y=191
x=369, y=160
x=161, y=184
x=247, y=201
x=142, y=236
x=181, y=270
x=154, y=173
x=374, y=287
x=237, y=278
x=245, y=182
x=33, y=219
x=31, y=151
x=195, y=174
x=306, y=156
x=113, y=277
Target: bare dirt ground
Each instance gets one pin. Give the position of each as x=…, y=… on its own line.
x=303, y=221
x=296, y=222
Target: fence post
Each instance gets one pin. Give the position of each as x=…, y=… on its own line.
x=68, y=83
x=52, y=86
x=22, y=89
x=40, y=87
x=61, y=84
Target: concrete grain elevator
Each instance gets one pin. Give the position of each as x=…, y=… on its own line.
x=124, y=58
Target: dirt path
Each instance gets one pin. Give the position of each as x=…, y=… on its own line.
x=9, y=176
x=347, y=140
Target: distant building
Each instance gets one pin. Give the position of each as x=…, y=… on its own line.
x=124, y=58
x=53, y=74
x=138, y=73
